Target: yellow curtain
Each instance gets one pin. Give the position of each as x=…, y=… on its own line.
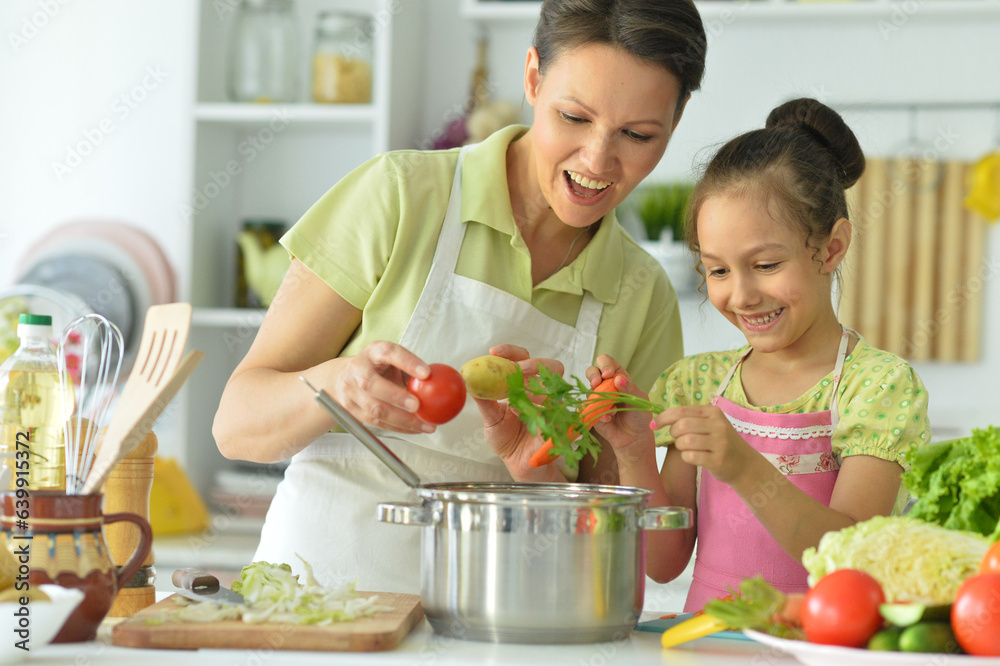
x=913, y=280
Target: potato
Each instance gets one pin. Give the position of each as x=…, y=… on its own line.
x=486, y=377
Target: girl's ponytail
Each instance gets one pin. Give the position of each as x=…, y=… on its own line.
x=829, y=129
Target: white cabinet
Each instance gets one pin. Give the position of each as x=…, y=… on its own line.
x=724, y=12
x=273, y=161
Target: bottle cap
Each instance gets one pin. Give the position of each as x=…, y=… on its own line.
x=35, y=320
x=34, y=326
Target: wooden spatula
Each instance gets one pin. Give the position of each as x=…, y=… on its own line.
x=156, y=376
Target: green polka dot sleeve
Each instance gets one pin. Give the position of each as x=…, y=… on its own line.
x=883, y=409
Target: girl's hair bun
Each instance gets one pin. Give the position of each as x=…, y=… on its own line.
x=825, y=125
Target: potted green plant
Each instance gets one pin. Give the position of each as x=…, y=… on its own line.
x=661, y=207
x=662, y=210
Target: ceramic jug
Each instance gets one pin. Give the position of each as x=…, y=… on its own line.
x=264, y=267
x=62, y=538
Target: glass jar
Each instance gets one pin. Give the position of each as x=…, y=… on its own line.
x=263, y=55
x=342, y=59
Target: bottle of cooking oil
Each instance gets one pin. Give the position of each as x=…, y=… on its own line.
x=32, y=411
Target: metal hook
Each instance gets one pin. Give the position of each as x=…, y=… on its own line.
x=914, y=138
x=996, y=139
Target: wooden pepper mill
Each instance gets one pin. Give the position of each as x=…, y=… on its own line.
x=127, y=489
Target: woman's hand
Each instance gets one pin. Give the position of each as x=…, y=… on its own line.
x=372, y=387
x=506, y=435
x=704, y=437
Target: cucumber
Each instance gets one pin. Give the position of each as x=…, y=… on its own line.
x=886, y=640
x=904, y=615
x=929, y=637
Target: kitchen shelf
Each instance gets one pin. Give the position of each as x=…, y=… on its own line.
x=273, y=161
x=527, y=10
x=227, y=317
x=255, y=114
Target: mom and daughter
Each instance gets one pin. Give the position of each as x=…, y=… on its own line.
x=512, y=247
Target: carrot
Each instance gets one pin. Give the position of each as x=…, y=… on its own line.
x=593, y=409
x=790, y=613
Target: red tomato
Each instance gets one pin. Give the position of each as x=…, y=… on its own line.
x=441, y=395
x=991, y=560
x=842, y=608
x=975, y=615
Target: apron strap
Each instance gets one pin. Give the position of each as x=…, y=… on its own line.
x=729, y=375
x=451, y=236
x=838, y=370
x=450, y=242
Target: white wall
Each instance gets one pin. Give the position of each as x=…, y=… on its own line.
x=103, y=88
x=65, y=64
x=755, y=64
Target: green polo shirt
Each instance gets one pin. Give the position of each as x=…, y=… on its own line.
x=372, y=239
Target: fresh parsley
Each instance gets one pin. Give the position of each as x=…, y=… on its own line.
x=551, y=407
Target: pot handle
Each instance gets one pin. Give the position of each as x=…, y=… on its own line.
x=666, y=518
x=405, y=514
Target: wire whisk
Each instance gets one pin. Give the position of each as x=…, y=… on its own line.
x=94, y=374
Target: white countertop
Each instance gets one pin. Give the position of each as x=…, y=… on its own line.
x=423, y=647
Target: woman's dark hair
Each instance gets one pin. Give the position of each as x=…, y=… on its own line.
x=664, y=32
x=799, y=166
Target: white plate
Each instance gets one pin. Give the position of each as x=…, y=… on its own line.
x=812, y=654
x=149, y=279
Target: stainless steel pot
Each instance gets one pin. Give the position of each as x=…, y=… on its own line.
x=524, y=562
x=533, y=563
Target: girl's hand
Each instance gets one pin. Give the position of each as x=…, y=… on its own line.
x=620, y=429
x=704, y=437
x=505, y=434
x=372, y=387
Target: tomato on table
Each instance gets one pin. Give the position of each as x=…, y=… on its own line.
x=975, y=615
x=991, y=560
x=441, y=395
x=842, y=608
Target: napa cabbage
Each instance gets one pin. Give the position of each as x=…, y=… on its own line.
x=912, y=559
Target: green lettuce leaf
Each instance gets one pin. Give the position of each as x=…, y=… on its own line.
x=957, y=483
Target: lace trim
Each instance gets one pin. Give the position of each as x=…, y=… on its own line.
x=774, y=432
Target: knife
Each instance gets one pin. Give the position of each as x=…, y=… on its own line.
x=200, y=585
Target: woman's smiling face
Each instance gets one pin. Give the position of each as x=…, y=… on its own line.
x=760, y=274
x=602, y=122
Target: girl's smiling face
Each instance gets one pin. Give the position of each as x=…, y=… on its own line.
x=602, y=122
x=761, y=275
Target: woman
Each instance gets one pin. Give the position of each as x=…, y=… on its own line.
x=442, y=256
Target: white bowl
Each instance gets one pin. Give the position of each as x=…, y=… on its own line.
x=45, y=619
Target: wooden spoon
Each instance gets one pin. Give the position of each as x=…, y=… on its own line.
x=156, y=376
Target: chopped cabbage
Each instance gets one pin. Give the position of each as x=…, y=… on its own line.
x=913, y=560
x=274, y=594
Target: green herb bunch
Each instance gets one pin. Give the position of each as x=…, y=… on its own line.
x=560, y=414
x=756, y=605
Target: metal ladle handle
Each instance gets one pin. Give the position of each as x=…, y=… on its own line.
x=356, y=428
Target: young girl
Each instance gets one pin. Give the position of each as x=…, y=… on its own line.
x=802, y=430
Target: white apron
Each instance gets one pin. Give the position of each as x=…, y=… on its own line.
x=324, y=508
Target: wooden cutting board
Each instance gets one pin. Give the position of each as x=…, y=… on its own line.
x=382, y=631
